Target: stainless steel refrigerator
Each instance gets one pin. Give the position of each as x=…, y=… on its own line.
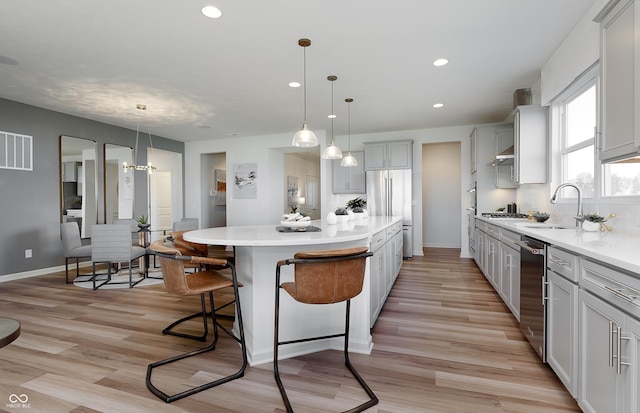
x=389, y=193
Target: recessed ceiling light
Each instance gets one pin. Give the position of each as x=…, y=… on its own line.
x=331, y=116
x=211, y=12
x=440, y=62
x=294, y=84
x=438, y=105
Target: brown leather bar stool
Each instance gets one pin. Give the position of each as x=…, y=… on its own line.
x=201, y=283
x=323, y=277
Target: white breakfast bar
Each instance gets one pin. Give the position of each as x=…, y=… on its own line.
x=257, y=249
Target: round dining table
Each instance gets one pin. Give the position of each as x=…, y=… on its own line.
x=9, y=330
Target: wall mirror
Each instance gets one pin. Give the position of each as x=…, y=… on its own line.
x=302, y=167
x=78, y=183
x=118, y=184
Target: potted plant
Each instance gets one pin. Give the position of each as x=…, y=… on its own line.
x=143, y=222
x=593, y=222
x=357, y=206
x=342, y=214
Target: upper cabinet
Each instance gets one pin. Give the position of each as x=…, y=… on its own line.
x=473, y=139
x=503, y=170
x=349, y=180
x=530, y=131
x=619, y=82
x=388, y=155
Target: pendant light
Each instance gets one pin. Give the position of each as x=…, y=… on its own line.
x=349, y=160
x=148, y=167
x=332, y=151
x=305, y=137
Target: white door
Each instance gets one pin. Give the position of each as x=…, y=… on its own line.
x=160, y=200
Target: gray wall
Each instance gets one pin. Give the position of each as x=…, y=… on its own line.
x=30, y=200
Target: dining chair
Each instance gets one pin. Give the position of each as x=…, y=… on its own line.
x=186, y=224
x=200, y=283
x=111, y=244
x=72, y=247
x=323, y=277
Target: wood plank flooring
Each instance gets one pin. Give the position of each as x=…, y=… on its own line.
x=444, y=343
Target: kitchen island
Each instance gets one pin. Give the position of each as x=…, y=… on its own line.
x=257, y=249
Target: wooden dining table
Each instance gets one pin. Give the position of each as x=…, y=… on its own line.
x=9, y=331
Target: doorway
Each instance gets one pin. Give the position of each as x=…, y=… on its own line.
x=441, y=199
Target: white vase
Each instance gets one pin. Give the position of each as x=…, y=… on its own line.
x=332, y=219
x=590, y=226
x=350, y=214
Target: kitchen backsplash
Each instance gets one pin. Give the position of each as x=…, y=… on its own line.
x=536, y=197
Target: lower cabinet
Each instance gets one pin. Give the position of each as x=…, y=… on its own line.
x=510, y=278
x=602, y=388
x=385, y=264
x=562, y=330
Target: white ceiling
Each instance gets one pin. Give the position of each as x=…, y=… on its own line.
x=205, y=79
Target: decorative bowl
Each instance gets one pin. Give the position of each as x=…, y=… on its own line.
x=541, y=216
x=295, y=224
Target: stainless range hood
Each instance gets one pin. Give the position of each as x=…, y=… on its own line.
x=504, y=158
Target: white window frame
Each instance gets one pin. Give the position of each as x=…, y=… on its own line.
x=581, y=84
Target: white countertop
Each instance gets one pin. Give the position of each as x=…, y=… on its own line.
x=267, y=235
x=617, y=249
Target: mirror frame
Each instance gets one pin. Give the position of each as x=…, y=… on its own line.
x=65, y=145
x=130, y=182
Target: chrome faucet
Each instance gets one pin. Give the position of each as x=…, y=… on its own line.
x=580, y=216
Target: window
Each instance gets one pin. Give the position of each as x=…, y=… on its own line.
x=576, y=115
x=575, y=158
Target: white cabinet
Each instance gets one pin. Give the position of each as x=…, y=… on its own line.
x=473, y=150
x=385, y=264
x=349, y=180
x=504, y=171
x=70, y=171
x=530, y=131
x=601, y=387
x=388, y=155
x=562, y=316
x=493, y=256
x=609, y=339
x=619, y=82
x=510, y=271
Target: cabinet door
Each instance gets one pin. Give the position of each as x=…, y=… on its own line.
x=510, y=278
x=632, y=351
x=472, y=150
x=562, y=330
x=375, y=263
x=400, y=155
x=530, y=126
x=348, y=180
x=493, y=257
x=375, y=155
x=617, y=50
x=600, y=388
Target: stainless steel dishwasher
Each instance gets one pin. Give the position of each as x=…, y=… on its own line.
x=533, y=274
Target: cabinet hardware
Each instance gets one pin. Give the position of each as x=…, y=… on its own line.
x=620, y=293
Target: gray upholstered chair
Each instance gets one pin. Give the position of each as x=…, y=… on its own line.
x=111, y=244
x=323, y=277
x=133, y=224
x=186, y=224
x=72, y=247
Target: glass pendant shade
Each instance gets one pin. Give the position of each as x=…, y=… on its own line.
x=305, y=138
x=349, y=161
x=332, y=152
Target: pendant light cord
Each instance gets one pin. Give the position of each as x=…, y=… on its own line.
x=304, y=80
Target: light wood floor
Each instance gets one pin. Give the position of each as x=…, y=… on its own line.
x=444, y=342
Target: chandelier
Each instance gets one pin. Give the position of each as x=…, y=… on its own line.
x=148, y=167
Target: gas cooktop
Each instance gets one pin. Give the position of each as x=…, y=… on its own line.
x=503, y=215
